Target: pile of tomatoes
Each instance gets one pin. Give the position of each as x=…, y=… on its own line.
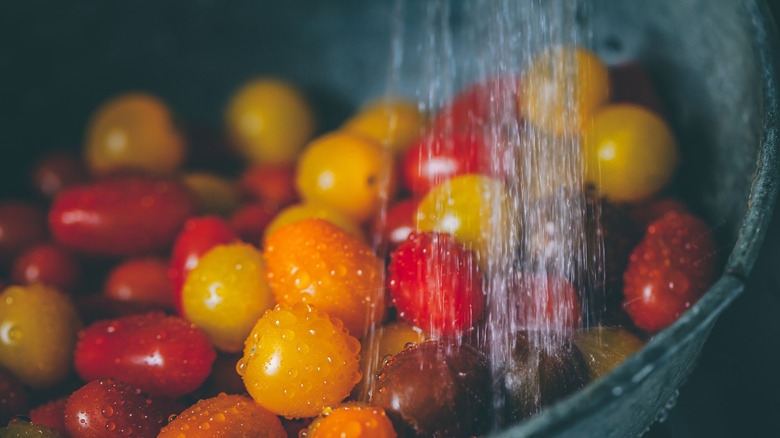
x=313, y=286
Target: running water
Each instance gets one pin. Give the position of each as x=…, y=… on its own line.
x=535, y=236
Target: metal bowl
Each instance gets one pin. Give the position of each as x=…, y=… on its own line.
x=714, y=61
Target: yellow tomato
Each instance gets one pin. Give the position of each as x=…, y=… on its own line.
x=347, y=173
x=630, y=153
x=299, y=212
x=473, y=208
x=270, y=121
x=38, y=327
x=562, y=87
x=226, y=293
x=392, y=122
x=134, y=131
x=214, y=194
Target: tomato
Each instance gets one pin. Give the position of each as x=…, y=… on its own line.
x=298, y=212
x=51, y=414
x=133, y=131
x=437, y=157
x=630, y=83
x=162, y=355
x=38, y=327
x=269, y=184
x=250, y=222
x=48, y=264
x=195, y=239
x=473, y=208
x=476, y=107
x=545, y=303
x=225, y=415
x=630, y=153
x=298, y=361
x=226, y=293
x=604, y=348
x=14, y=399
x=347, y=173
x=121, y=215
x=213, y=193
x=109, y=408
x=142, y=280
x=314, y=262
x=392, y=122
x=562, y=87
x=21, y=428
x=401, y=220
x=352, y=420
x=269, y=121
x=56, y=172
x=21, y=225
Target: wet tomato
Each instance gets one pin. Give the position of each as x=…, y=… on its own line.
x=251, y=221
x=272, y=184
x=142, y=280
x=48, y=264
x=352, y=420
x=391, y=122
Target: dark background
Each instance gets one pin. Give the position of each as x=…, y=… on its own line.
x=735, y=388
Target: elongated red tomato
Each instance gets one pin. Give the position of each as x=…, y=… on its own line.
x=121, y=215
x=162, y=355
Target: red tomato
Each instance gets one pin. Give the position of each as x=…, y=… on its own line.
x=121, y=215
x=51, y=414
x=197, y=237
x=109, y=408
x=48, y=264
x=546, y=301
x=140, y=279
x=671, y=268
x=400, y=222
x=21, y=225
x=272, y=184
x=650, y=211
x=249, y=222
x=162, y=355
x=93, y=308
x=56, y=172
x=435, y=284
x=477, y=105
x=437, y=157
x=13, y=397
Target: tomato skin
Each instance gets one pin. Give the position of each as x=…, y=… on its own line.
x=142, y=280
x=122, y=215
x=48, y=264
x=21, y=225
x=399, y=222
x=471, y=109
x=546, y=302
x=198, y=235
x=20, y=428
x=391, y=122
x=14, y=399
x=435, y=284
x=269, y=184
x=162, y=355
x=40, y=326
x=437, y=157
x=251, y=221
x=110, y=408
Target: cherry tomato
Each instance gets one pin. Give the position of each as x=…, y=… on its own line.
x=465, y=207
x=437, y=157
x=133, y=131
x=269, y=120
x=197, y=237
x=13, y=397
x=162, y=355
x=213, y=193
x=226, y=293
x=545, y=303
x=630, y=83
x=391, y=122
x=225, y=415
x=51, y=414
x=21, y=428
x=109, y=408
x=121, y=215
x=630, y=153
x=38, y=327
x=269, y=184
x=314, y=262
x=48, y=264
x=345, y=172
x=142, y=280
x=401, y=220
x=562, y=87
x=21, y=225
x=479, y=105
x=604, y=348
x=298, y=212
x=56, y=172
x=298, y=361
x=352, y=420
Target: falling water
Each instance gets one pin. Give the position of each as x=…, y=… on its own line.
x=536, y=232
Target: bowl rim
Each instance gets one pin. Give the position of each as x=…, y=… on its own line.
x=628, y=377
